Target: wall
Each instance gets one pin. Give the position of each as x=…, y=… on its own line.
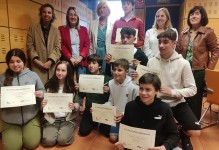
x=16, y=16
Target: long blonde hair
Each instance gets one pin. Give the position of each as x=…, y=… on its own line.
x=168, y=23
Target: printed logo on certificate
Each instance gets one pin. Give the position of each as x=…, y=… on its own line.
x=15, y=96
x=103, y=114
x=136, y=138
x=91, y=83
x=57, y=102
x=118, y=35
x=119, y=51
x=141, y=70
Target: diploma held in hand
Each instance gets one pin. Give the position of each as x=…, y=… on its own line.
x=103, y=114
x=15, y=96
x=57, y=102
x=121, y=51
x=136, y=138
x=91, y=83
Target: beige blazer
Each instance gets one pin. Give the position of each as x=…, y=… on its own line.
x=36, y=47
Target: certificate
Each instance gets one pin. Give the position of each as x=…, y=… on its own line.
x=141, y=70
x=15, y=96
x=103, y=114
x=136, y=138
x=57, y=102
x=118, y=35
x=122, y=51
x=91, y=83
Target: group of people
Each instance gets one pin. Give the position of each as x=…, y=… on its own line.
x=56, y=54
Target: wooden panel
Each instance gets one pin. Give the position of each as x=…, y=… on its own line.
x=22, y=13
x=4, y=43
x=55, y=3
x=18, y=39
x=4, y=14
x=58, y=20
x=213, y=23
x=3, y=67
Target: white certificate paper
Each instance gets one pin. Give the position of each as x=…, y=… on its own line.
x=57, y=102
x=103, y=114
x=118, y=35
x=91, y=83
x=15, y=96
x=141, y=70
x=136, y=138
x=122, y=51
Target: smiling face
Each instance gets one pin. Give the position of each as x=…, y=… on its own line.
x=166, y=47
x=119, y=74
x=61, y=72
x=147, y=93
x=94, y=67
x=161, y=19
x=103, y=11
x=73, y=18
x=195, y=18
x=46, y=15
x=16, y=64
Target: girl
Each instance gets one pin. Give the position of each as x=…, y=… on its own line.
x=21, y=125
x=59, y=126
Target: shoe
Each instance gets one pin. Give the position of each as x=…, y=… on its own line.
x=186, y=142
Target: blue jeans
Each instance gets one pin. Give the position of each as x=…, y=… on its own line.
x=80, y=70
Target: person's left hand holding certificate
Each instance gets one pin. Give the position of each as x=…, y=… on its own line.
x=91, y=83
x=15, y=96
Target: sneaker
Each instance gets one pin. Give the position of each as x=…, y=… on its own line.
x=185, y=139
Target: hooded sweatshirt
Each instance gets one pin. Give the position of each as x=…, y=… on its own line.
x=177, y=75
x=121, y=94
x=23, y=114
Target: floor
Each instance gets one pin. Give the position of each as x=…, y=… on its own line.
x=209, y=140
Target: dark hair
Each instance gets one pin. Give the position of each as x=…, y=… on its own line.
x=67, y=17
x=131, y=1
x=204, y=15
x=9, y=73
x=95, y=58
x=150, y=78
x=53, y=11
x=128, y=30
x=53, y=83
x=169, y=33
x=122, y=62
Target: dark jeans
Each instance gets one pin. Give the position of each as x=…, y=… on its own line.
x=195, y=102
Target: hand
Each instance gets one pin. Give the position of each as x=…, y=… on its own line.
x=134, y=75
x=118, y=117
x=73, y=61
x=39, y=63
x=39, y=94
x=106, y=89
x=77, y=86
x=91, y=110
x=71, y=105
x=158, y=148
x=43, y=103
x=119, y=146
x=166, y=91
x=107, y=58
x=135, y=62
x=79, y=59
x=48, y=64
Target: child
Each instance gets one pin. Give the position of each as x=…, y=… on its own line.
x=59, y=126
x=142, y=113
x=129, y=20
x=122, y=90
x=128, y=38
x=177, y=83
x=94, y=66
x=21, y=126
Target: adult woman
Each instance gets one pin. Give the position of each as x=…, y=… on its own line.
x=21, y=127
x=74, y=42
x=162, y=22
x=195, y=44
x=101, y=32
x=59, y=126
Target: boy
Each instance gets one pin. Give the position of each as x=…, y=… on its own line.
x=178, y=82
x=129, y=20
x=127, y=38
x=94, y=66
x=143, y=113
x=122, y=90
